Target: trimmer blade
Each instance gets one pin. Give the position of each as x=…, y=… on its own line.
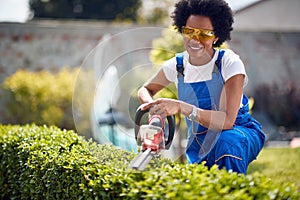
x=142, y=159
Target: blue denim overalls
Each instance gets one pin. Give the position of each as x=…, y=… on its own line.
x=233, y=149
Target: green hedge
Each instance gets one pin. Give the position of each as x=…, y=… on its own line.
x=281, y=105
x=40, y=162
x=39, y=97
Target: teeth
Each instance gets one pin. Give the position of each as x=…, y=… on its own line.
x=195, y=48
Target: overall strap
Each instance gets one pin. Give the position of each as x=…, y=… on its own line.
x=218, y=66
x=179, y=64
x=220, y=56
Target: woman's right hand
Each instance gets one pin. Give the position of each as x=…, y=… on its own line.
x=163, y=107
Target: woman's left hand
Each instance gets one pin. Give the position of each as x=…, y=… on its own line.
x=163, y=107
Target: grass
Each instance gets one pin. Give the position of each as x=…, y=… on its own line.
x=279, y=164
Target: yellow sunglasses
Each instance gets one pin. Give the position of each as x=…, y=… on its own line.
x=198, y=34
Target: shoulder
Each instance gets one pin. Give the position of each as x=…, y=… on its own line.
x=231, y=59
x=169, y=64
x=169, y=69
x=232, y=65
x=231, y=56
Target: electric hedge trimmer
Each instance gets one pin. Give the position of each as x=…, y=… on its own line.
x=151, y=138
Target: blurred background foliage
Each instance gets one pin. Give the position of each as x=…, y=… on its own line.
x=39, y=97
x=93, y=9
x=132, y=11
x=281, y=104
x=165, y=48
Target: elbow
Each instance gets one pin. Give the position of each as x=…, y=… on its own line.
x=144, y=95
x=221, y=122
x=140, y=91
x=228, y=124
x=218, y=121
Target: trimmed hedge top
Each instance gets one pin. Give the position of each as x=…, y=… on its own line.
x=39, y=162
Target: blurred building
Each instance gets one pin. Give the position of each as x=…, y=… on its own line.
x=267, y=37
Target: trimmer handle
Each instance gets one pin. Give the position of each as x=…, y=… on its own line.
x=171, y=121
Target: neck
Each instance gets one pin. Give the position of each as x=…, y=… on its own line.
x=203, y=59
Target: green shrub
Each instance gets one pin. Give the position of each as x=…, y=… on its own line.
x=39, y=97
x=50, y=163
x=281, y=105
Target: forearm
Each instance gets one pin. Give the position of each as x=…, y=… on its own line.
x=217, y=120
x=230, y=101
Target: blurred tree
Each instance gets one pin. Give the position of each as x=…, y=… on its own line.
x=166, y=46
x=155, y=12
x=157, y=16
x=119, y=10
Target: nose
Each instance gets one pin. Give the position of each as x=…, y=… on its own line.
x=196, y=39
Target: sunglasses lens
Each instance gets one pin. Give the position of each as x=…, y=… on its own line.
x=198, y=34
x=188, y=32
x=207, y=35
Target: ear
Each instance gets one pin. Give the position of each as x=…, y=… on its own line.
x=215, y=40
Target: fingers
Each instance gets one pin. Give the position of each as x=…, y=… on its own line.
x=156, y=108
x=148, y=105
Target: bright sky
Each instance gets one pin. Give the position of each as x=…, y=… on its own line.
x=14, y=10
x=18, y=10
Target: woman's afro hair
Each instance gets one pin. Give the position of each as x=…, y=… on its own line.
x=218, y=11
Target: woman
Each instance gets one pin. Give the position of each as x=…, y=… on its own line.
x=210, y=86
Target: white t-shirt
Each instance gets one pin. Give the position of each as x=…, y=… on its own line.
x=231, y=66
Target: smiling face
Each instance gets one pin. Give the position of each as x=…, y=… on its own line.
x=200, y=50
